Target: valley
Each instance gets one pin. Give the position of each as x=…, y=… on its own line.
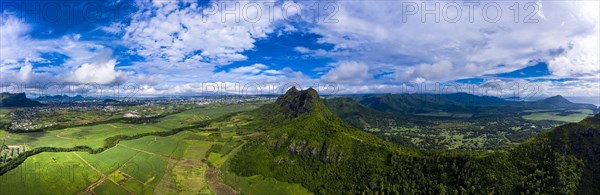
x=455, y=121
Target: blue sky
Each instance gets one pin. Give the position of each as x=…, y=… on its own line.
x=178, y=47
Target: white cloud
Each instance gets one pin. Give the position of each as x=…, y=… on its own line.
x=15, y=43
x=101, y=71
x=253, y=69
x=25, y=72
x=273, y=72
x=183, y=42
x=442, y=70
x=302, y=50
x=113, y=28
x=581, y=60
x=85, y=61
x=167, y=31
x=375, y=33
x=348, y=71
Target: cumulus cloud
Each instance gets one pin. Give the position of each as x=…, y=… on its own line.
x=348, y=71
x=184, y=42
x=581, y=59
x=258, y=73
x=443, y=70
x=100, y=71
x=84, y=61
x=302, y=50
x=253, y=69
x=175, y=33
x=113, y=28
x=381, y=33
x=25, y=72
x=15, y=42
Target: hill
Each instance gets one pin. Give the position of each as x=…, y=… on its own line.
x=17, y=100
x=559, y=102
x=365, y=118
x=403, y=104
x=359, y=115
x=412, y=103
x=303, y=142
x=565, y=159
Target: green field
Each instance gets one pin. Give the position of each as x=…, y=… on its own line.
x=135, y=166
x=5, y=118
x=109, y=188
x=151, y=164
x=49, y=172
x=200, y=114
x=187, y=175
x=446, y=114
x=92, y=136
x=570, y=116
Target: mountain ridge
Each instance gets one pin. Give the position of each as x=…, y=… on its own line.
x=459, y=103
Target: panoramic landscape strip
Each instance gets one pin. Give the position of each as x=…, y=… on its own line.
x=295, y=97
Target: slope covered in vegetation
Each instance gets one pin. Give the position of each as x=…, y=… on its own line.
x=303, y=142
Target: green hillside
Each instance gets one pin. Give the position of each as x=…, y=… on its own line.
x=303, y=142
x=403, y=104
x=365, y=118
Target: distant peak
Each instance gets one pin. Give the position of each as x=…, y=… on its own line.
x=557, y=97
x=292, y=90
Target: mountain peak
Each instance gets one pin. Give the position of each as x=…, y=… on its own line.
x=556, y=99
x=296, y=102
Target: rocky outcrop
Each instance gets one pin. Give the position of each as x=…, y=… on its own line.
x=294, y=102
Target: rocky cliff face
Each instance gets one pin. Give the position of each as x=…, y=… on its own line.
x=294, y=102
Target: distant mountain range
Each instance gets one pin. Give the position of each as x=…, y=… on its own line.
x=303, y=142
x=459, y=103
x=17, y=100
x=60, y=97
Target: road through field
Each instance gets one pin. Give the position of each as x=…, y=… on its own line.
x=90, y=189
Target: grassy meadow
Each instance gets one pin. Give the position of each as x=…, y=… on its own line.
x=570, y=116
